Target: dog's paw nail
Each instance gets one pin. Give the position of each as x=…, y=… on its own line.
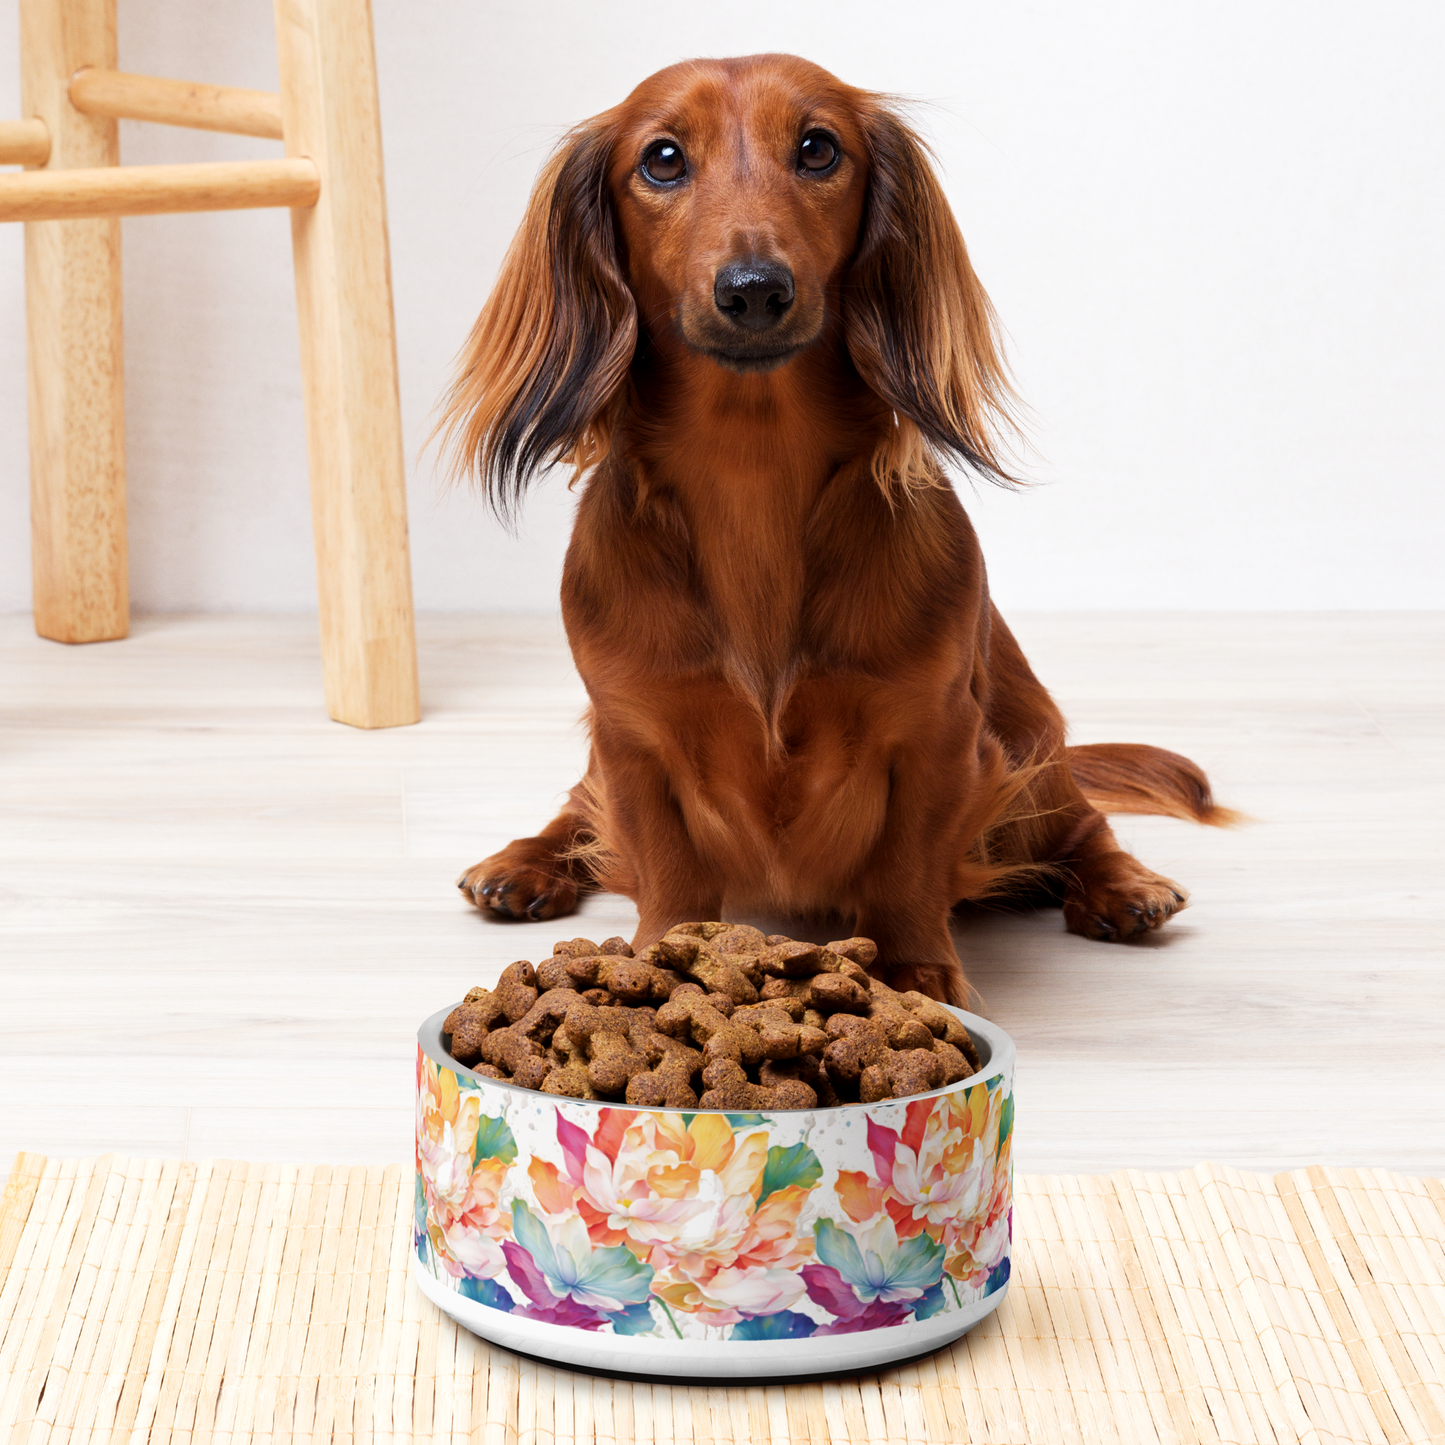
x=1178, y=897
x=1135, y=911
x=1106, y=929
x=534, y=909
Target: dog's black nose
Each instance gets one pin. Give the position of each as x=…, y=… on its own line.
x=756, y=294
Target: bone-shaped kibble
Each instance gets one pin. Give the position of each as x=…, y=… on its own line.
x=569, y=1081
x=692, y=1017
x=941, y=1023
x=612, y=1060
x=862, y=951
x=903, y=1029
x=798, y=960
x=575, y=947
x=691, y=956
x=956, y=1067
x=769, y=1023
x=899, y=1075
x=632, y=980
x=781, y=1036
x=855, y=1049
x=516, y=989
x=668, y=1083
x=509, y=1049
x=728, y=1087
x=470, y=1022
x=545, y=1016
x=832, y=993
x=805, y=1069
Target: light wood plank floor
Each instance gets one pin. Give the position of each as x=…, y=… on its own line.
x=222, y=916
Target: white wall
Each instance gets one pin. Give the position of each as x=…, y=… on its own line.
x=1212, y=230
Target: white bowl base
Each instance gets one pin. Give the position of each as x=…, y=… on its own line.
x=706, y=1359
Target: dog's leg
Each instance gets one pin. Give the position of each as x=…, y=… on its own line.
x=905, y=892
x=1109, y=894
x=536, y=878
x=656, y=865
x=915, y=951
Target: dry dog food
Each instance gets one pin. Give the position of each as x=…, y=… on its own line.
x=714, y=1016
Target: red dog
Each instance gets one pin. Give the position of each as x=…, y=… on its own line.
x=740, y=303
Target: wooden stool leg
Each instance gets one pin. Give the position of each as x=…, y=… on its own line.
x=348, y=360
x=72, y=306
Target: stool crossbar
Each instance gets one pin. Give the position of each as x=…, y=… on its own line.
x=71, y=198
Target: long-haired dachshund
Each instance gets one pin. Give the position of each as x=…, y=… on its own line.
x=740, y=306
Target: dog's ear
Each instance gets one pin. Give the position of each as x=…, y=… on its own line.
x=919, y=325
x=539, y=377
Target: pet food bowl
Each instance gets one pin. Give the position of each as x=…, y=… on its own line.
x=713, y=1245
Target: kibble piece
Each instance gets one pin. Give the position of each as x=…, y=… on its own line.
x=481, y=1005
x=612, y=1060
x=531, y=1073
x=728, y=1087
x=955, y=1066
x=776, y=988
x=508, y=1049
x=806, y=1069
x=468, y=1024
x=575, y=947
x=854, y=1050
x=668, y=1083
x=695, y=1018
x=914, y=1071
x=552, y=972
x=862, y=951
x=704, y=931
x=545, y=1016
x=516, y=989
x=616, y=945
x=691, y=956
x=790, y=1007
x=739, y=939
x=569, y=1081
x=780, y=1036
x=835, y=993
x=629, y=979
x=797, y=960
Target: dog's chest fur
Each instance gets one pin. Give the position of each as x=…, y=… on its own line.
x=735, y=629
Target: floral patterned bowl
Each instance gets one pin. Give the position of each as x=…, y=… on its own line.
x=713, y=1245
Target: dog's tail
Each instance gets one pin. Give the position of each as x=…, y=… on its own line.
x=1135, y=778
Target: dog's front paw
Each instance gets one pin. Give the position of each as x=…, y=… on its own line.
x=517, y=883
x=1115, y=898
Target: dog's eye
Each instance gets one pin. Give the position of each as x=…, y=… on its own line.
x=664, y=162
x=818, y=151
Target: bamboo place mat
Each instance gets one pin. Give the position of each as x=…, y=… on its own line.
x=150, y=1300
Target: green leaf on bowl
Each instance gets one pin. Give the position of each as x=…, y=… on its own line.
x=794, y=1165
x=494, y=1141
x=745, y=1121
x=1005, y=1121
